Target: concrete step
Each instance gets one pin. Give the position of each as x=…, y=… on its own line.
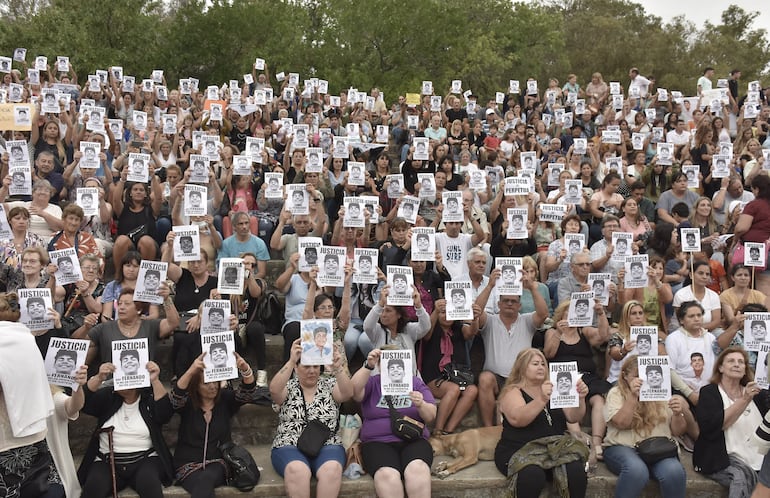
x=480, y=480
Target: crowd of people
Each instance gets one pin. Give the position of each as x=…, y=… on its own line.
x=642, y=184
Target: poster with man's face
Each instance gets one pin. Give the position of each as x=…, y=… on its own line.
x=646, y=339
x=459, y=299
x=517, y=223
x=215, y=316
x=340, y=147
x=690, y=238
x=331, y=267
x=427, y=183
x=655, y=372
x=130, y=358
x=755, y=327
x=187, y=243
x=231, y=275
x=453, y=207
x=63, y=359
x=755, y=254
x=317, y=339
x=622, y=244
x=67, y=266
x=151, y=275
x=356, y=173
x=273, y=185
x=365, y=265
x=636, y=271
x=401, y=282
x=89, y=158
x=423, y=244
x=395, y=186
x=195, y=200
x=138, y=167
x=34, y=305
x=297, y=199
x=308, y=248
x=354, y=213
x=600, y=285
x=219, y=358
x=314, y=163
x=581, y=309
x=396, y=372
x=511, y=273
x=408, y=208
x=564, y=376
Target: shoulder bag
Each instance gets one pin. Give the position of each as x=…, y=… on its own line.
x=403, y=426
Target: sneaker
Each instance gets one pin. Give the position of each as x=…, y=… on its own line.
x=262, y=378
x=686, y=442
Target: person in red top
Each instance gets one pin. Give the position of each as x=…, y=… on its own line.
x=492, y=141
x=754, y=223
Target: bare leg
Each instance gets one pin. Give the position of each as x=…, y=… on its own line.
x=296, y=479
x=463, y=406
x=387, y=483
x=487, y=398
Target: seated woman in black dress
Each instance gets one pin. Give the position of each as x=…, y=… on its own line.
x=531, y=428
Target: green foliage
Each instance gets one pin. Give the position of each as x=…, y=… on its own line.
x=386, y=43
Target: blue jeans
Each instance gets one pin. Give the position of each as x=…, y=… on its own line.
x=356, y=340
x=633, y=473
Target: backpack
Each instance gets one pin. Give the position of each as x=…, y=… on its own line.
x=243, y=470
x=269, y=310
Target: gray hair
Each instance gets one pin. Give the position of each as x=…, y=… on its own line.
x=472, y=253
x=43, y=185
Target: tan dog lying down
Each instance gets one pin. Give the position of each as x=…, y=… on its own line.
x=467, y=447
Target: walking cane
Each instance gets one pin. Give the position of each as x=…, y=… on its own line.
x=109, y=431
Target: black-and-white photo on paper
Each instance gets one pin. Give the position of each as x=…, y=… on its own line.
x=273, y=185
x=215, y=317
x=693, y=175
x=401, y=282
x=564, y=376
x=423, y=244
x=427, y=189
x=636, y=271
x=396, y=367
x=600, y=285
x=67, y=266
x=354, y=212
x=690, y=239
x=459, y=300
x=755, y=327
x=573, y=191
x=581, y=309
x=34, y=305
x=340, y=148
x=755, y=254
x=315, y=160
x=395, y=186
x=408, y=208
x=655, y=372
x=138, y=167
x=130, y=358
x=219, y=358
x=63, y=359
x=453, y=207
x=195, y=200
x=187, y=243
x=421, y=149
x=622, y=245
x=231, y=276
x=297, y=199
x=517, y=223
x=308, y=249
x=88, y=199
x=151, y=275
x=365, y=265
x=89, y=155
x=645, y=339
x=511, y=273
x=331, y=271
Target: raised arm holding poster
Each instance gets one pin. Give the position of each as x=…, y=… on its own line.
x=423, y=244
x=459, y=299
x=331, y=272
x=151, y=274
x=396, y=371
x=231, y=272
x=187, y=243
x=581, y=309
x=365, y=264
x=317, y=339
x=401, y=281
x=63, y=359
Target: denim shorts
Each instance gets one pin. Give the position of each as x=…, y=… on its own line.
x=281, y=457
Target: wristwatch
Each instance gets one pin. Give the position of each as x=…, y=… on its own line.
x=366, y=365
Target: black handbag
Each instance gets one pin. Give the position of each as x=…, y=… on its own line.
x=406, y=428
x=458, y=374
x=137, y=233
x=655, y=449
x=314, y=435
x=243, y=470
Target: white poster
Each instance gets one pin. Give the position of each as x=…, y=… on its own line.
x=371, y=204
x=5, y=228
x=67, y=266
x=755, y=254
x=459, y=299
x=755, y=327
x=760, y=376
x=517, y=223
x=408, y=208
x=219, y=360
x=553, y=213
x=646, y=339
x=600, y=285
x=395, y=186
x=187, y=243
x=88, y=199
x=354, y=213
x=478, y=179
x=89, y=158
x=317, y=342
x=215, y=317
x=315, y=162
x=636, y=271
x=34, y=305
x=199, y=168
x=573, y=191
x=655, y=372
x=453, y=207
x=365, y=264
x=331, y=272
x=340, y=150
x=356, y=173
x=396, y=372
x=564, y=376
x=401, y=281
x=622, y=245
x=575, y=243
x=231, y=275
x=151, y=274
x=274, y=186
x=195, y=200
x=511, y=272
x=63, y=359
x=581, y=309
x=423, y=244
x=138, y=168
x=297, y=199
x=420, y=149
x=690, y=239
x=308, y=248
x=721, y=166
x=692, y=172
x=130, y=358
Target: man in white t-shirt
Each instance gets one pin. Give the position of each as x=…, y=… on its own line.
x=704, y=82
x=454, y=246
